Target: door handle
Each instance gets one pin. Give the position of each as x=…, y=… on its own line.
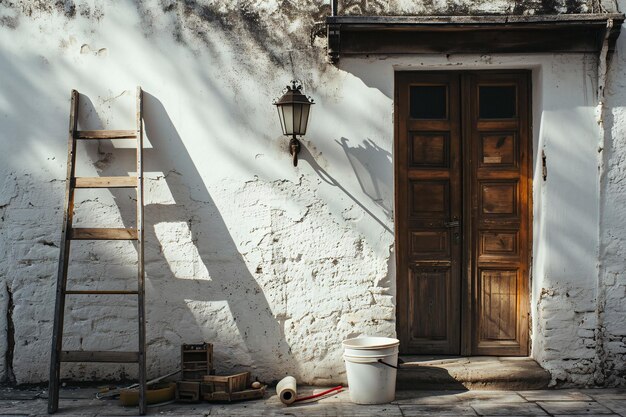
x=457, y=234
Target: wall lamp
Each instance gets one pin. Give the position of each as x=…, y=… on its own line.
x=293, y=111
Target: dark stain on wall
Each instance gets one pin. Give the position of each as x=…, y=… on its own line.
x=9, y=22
x=574, y=6
x=67, y=8
x=364, y=7
x=464, y=8
x=9, y=376
x=459, y=9
x=549, y=7
x=282, y=32
x=246, y=27
x=290, y=9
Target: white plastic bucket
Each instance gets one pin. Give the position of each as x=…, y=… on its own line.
x=369, y=380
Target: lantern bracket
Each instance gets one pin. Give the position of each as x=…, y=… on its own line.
x=294, y=150
x=293, y=111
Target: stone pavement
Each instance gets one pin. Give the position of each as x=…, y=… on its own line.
x=577, y=402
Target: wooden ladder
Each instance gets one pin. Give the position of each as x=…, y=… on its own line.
x=70, y=233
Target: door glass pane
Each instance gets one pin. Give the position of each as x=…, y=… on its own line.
x=497, y=102
x=429, y=102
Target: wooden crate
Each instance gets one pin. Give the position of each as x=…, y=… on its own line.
x=187, y=391
x=227, y=384
x=196, y=361
x=249, y=394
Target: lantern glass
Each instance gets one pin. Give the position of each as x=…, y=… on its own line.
x=287, y=119
x=294, y=118
x=297, y=119
x=304, y=118
x=293, y=111
x=281, y=117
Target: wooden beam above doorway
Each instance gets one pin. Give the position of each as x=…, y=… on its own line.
x=389, y=35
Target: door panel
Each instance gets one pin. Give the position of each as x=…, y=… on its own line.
x=498, y=289
x=498, y=150
x=430, y=287
x=462, y=222
x=429, y=201
x=499, y=185
x=498, y=199
x=429, y=149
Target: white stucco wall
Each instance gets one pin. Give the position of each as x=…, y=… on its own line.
x=566, y=222
x=275, y=265
x=612, y=279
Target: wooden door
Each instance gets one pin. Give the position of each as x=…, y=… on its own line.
x=428, y=212
x=497, y=127
x=462, y=212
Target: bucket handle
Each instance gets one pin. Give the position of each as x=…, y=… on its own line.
x=387, y=364
x=379, y=360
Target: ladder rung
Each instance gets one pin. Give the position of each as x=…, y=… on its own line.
x=95, y=356
x=105, y=134
x=105, y=182
x=102, y=233
x=101, y=292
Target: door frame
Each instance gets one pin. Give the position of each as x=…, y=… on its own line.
x=468, y=291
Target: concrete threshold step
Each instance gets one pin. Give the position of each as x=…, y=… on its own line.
x=477, y=372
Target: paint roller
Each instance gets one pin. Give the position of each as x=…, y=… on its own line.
x=288, y=394
x=286, y=390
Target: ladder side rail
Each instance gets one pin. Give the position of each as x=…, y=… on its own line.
x=140, y=258
x=64, y=253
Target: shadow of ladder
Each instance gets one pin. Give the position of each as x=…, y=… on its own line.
x=70, y=233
